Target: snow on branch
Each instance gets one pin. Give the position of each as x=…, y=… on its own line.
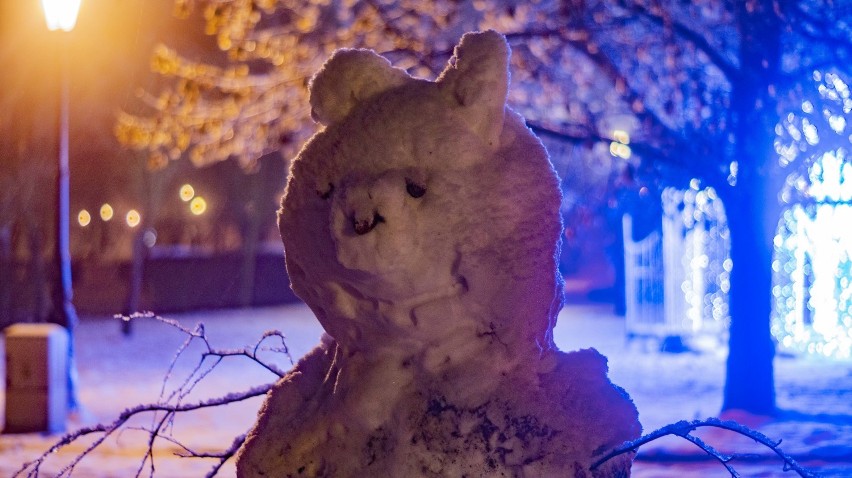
x=684, y=429
x=168, y=406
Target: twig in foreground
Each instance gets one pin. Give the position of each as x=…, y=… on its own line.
x=684, y=429
x=172, y=403
x=31, y=468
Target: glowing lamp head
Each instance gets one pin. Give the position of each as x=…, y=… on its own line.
x=60, y=14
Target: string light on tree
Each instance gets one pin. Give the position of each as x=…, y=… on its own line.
x=812, y=268
x=619, y=148
x=813, y=264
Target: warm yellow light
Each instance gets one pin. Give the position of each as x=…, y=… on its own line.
x=84, y=218
x=198, y=205
x=621, y=136
x=133, y=218
x=106, y=212
x=60, y=14
x=187, y=192
x=620, y=150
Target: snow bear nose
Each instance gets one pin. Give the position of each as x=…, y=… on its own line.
x=363, y=226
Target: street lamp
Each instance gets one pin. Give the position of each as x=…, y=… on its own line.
x=62, y=15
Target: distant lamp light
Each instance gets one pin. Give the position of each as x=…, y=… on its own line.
x=198, y=205
x=133, y=218
x=60, y=14
x=620, y=150
x=187, y=192
x=84, y=218
x=621, y=136
x=107, y=212
x=618, y=147
x=149, y=238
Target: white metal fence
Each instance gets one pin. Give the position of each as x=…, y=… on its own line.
x=677, y=278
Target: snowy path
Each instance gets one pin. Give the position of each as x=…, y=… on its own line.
x=116, y=373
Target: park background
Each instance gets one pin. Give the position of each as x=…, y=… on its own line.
x=174, y=190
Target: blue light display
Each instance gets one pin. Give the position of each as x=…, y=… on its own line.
x=812, y=267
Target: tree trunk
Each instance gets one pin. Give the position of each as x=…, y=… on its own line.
x=133, y=301
x=249, y=264
x=752, y=208
x=251, y=239
x=749, y=382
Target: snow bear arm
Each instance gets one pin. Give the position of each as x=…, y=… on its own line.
x=292, y=398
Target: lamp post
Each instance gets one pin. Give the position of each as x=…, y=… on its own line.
x=61, y=15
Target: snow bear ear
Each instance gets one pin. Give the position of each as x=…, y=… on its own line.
x=348, y=78
x=477, y=77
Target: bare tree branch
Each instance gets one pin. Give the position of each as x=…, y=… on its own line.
x=222, y=456
x=227, y=454
x=172, y=404
x=822, y=27
x=729, y=69
x=31, y=468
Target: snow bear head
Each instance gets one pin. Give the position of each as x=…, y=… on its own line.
x=423, y=209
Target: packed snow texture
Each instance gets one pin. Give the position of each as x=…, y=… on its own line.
x=421, y=226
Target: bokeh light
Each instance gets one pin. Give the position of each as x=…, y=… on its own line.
x=695, y=223
x=621, y=136
x=149, y=238
x=812, y=265
x=187, y=192
x=619, y=148
x=133, y=218
x=107, y=212
x=198, y=205
x=812, y=268
x=84, y=218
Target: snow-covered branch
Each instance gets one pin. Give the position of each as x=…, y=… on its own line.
x=168, y=406
x=684, y=430
x=32, y=468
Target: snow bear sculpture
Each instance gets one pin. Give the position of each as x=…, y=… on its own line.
x=422, y=226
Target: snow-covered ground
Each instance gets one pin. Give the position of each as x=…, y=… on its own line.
x=118, y=372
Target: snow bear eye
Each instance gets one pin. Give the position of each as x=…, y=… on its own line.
x=327, y=193
x=414, y=190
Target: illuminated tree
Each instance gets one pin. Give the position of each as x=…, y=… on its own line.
x=698, y=85
x=813, y=249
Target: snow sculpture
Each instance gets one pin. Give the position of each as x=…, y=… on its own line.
x=421, y=226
